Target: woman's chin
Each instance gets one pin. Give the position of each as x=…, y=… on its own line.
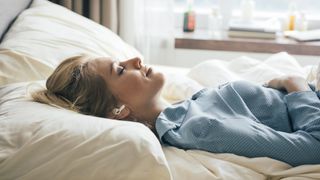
x=162, y=78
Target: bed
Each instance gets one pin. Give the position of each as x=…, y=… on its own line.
x=38, y=141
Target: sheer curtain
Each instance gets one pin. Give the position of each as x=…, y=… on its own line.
x=148, y=26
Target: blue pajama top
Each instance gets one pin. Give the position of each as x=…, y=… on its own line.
x=248, y=120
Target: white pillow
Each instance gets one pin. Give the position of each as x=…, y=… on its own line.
x=51, y=33
x=38, y=141
x=17, y=67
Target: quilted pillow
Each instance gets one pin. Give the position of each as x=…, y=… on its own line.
x=52, y=33
x=38, y=141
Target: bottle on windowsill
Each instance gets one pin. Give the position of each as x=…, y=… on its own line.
x=215, y=22
x=189, y=19
x=247, y=9
x=291, y=25
x=301, y=22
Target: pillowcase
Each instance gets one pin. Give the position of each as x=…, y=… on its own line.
x=9, y=11
x=52, y=33
x=17, y=67
x=38, y=141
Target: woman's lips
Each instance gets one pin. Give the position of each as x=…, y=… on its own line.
x=149, y=71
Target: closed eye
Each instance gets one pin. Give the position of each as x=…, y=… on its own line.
x=120, y=70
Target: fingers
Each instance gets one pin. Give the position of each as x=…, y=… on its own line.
x=289, y=83
x=276, y=83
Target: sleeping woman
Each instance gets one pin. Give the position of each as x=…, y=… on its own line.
x=280, y=120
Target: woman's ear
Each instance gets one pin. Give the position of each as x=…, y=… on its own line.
x=123, y=114
x=120, y=113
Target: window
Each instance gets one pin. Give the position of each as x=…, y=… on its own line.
x=309, y=7
x=264, y=9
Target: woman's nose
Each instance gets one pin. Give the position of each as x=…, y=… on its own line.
x=136, y=62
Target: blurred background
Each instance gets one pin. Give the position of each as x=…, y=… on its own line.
x=155, y=27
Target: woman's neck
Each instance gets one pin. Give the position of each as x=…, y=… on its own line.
x=152, y=111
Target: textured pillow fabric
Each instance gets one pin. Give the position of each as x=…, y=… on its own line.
x=38, y=141
x=17, y=67
x=52, y=33
x=10, y=9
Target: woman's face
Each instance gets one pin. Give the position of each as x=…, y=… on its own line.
x=131, y=82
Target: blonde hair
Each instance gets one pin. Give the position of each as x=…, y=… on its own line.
x=74, y=86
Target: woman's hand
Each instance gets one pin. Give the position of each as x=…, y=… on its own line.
x=289, y=83
x=277, y=83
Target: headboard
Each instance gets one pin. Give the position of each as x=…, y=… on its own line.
x=9, y=10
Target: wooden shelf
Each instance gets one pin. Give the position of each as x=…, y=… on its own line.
x=202, y=40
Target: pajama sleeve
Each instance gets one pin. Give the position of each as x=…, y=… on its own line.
x=219, y=122
x=304, y=112
x=249, y=138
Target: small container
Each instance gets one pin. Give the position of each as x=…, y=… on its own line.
x=302, y=22
x=215, y=22
x=247, y=9
x=189, y=20
x=292, y=17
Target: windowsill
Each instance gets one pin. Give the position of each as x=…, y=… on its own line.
x=202, y=40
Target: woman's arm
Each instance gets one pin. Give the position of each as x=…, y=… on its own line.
x=289, y=83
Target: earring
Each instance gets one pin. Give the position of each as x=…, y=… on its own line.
x=117, y=111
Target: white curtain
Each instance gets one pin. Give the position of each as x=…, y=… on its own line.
x=148, y=26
